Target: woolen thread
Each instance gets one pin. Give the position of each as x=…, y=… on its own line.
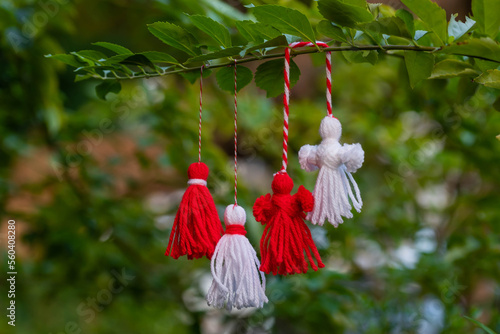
x=197, y=228
x=237, y=281
x=286, y=245
x=335, y=183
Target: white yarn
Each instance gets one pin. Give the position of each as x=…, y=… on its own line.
x=237, y=280
x=200, y=182
x=336, y=162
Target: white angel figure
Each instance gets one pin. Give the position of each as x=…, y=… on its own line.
x=336, y=162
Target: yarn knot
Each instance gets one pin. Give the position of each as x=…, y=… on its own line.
x=284, y=202
x=198, y=170
x=236, y=229
x=282, y=183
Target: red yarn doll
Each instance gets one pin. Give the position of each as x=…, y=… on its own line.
x=286, y=236
x=197, y=227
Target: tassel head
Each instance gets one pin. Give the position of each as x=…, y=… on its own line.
x=234, y=218
x=282, y=183
x=330, y=128
x=198, y=170
x=234, y=215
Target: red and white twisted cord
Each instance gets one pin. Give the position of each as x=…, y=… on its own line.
x=286, y=96
x=201, y=108
x=235, y=138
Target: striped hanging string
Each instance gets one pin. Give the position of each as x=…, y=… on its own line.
x=286, y=96
x=237, y=281
x=235, y=138
x=201, y=108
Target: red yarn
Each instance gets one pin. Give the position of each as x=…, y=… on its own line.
x=236, y=229
x=286, y=236
x=197, y=227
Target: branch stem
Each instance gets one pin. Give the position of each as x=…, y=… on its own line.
x=294, y=52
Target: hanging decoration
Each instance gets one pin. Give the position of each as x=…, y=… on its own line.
x=335, y=162
x=197, y=227
x=237, y=281
x=286, y=240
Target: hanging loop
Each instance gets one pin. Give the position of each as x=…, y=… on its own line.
x=286, y=95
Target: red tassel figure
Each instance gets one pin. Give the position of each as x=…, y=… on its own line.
x=286, y=236
x=197, y=227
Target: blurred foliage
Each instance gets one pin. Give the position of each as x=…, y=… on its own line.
x=92, y=185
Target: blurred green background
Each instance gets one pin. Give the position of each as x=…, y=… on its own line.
x=93, y=186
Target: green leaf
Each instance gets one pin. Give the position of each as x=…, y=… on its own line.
x=432, y=15
x=225, y=78
x=213, y=29
x=269, y=76
x=482, y=326
x=138, y=60
x=485, y=65
x=175, y=36
x=419, y=65
x=327, y=29
x=67, y=59
x=246, y=29
x=490, y=79
x=266, y=31
x=256, y=32
x=94, y=69
x=192, y=76
x=450, y=68
x=275, y=42
x=361, y=56
x=159, y=57
x=392, y=26
x=358, y=3
x=407, y=18
x=419, y=34
x=229, y=52
x=116, y=59
x=345, y=13
x=457, y=29
x=118, y=49
x=80, y=77
x=90, y=56
x=477, y=47
x=375, y=8
x=486, y=14
x=107, y=86
x=286, y=20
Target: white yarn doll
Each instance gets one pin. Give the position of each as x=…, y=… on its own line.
x=237, y=280
x=336, y=162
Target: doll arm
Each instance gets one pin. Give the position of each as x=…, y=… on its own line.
x=262, y=208
x=304, y=199
x=352, y=156
x=307, y=158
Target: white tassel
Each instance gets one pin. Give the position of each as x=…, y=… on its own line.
x=237, y=280
x=336, y=162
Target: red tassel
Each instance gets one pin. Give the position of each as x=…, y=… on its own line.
x=197, y=227
x=286, y=236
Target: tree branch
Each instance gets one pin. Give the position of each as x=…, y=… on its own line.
x=274, y=55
